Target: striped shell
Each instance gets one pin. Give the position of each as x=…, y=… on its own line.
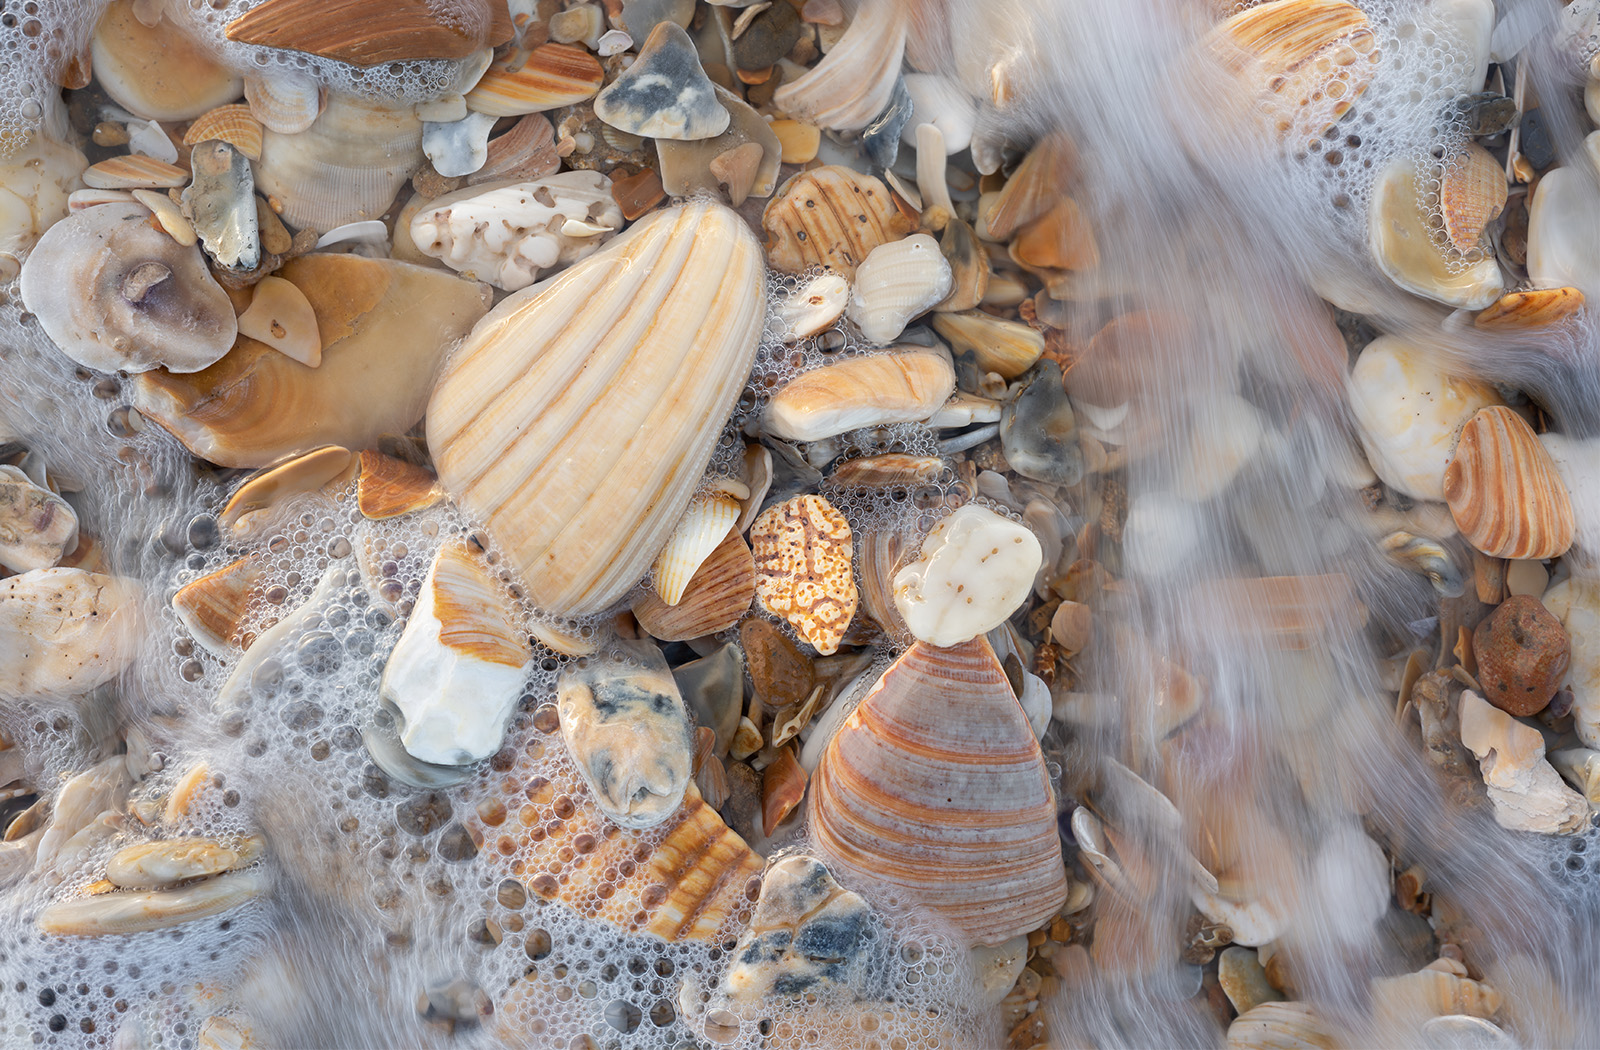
x=133, y=171
x=1532, y=309
x=387, y=487
x=549, y=76
x=1503, y=489
x=936, y=787
x=1472, y=191
x=718, y=595
x=367, y=32
x=232, y=124
x=213, y=607
x=287, y=105
x=856, y=78
x=577, y=423
x=831, y=216
x=700, y=532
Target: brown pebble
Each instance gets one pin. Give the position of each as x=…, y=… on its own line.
x=637, y=194
x=1522, y=654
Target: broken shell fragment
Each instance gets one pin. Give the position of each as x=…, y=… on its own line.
x=153, y=865
x=526, y=151
x=874, y=390
x=1517, y=311
x=458, y=147
x=628, y=731
x=158, y=72
x=233, y=124
x=213, y=608
x=895, y=283
x=1281, y=1026
x=802, y=551
x=124, y=913
x=1403, y=246
x=974, y=570
x=280, y=316
x=388, y=488
x=890, y=470
x=115, y=294
x=726, y=160
x=807, y=936
x=1007, y=348
x=367, y=32
x=1563, y=230
x=222, y=205
x=1580, y=767
x=783, y=785
x=459, y=667
x=856, y=79
x=547, y=77
x=132, y=171
x=1039, y=432
x=1525, y=790
x=37, y=527
x=830, y=216
x=1428, y=557
x=816, y=305
x=665, y=93
x=1504, y=491
x=700, y=532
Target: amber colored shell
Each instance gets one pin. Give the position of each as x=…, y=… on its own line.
x=213, y=607
x=890, y=470
x=366, y=32
x=1503, y=489
x=1034, y=188
x=387, y=487
x=1472, y=191
x=782, y=675
x=549, y=76
x=232, y=124
x=277, y=485
x=718, y=594
x=831, y=216
x=1533, y=309
x=802, y=549
x=936, y=788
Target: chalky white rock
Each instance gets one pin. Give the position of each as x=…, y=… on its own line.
x=975, y=568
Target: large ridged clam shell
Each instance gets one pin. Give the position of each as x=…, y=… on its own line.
x=855, y=80
x=1503, y=489
x=366, y=32
x=831, y=216
x=935, y=787
x=576, y=422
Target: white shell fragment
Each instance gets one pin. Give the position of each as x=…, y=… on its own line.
x=940, y=101
x=813, y=306
x=1526, y=791
x=64, y=631
x=459, y=147
x=509, y=234
x=459, y=667
x=280, y=315
x=974, y=570
x=1576, y=603
x=628, y=730
x=665, y=94
x=37, y=527
x=895, y=283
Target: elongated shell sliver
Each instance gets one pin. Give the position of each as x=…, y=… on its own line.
x=576, y=422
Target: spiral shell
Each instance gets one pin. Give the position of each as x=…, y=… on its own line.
x=1503, y=489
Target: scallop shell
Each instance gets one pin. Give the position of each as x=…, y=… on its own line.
x=123, y=913
x=1539, y=308
x=1503, y=489
x=897, y=387
x=285, y=104
x=1008, y=348
x=802, y=553
x=1472, y=191
x=856, y=78
x=388, y=488
x=832, y=216
x=935, y=786
x=526, y=151
x=699, y=533
x=367, y=32
x=213, y=607
x=579, y=475
x=896, y=283
x=133, y=171
x=233, y=124
x=549, y=76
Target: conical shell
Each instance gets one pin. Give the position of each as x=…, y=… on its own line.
x=233, y=124
x=133, y=171
x=700, y=531
x=213, y=607
x=1535, y=309
x=831, y=216
x=388, y=487
x=366, y=32
x=1472, y=191
x=856, y=78
x=1503, y=489
x=802, y=550
x=936, y=787
x=549, y=76
x=576, y=422
x=718, y=595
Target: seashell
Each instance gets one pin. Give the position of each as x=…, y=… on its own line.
x=389, y=488
x=1472, y=192
x=157, y=72
x=974, y=570
x=1060, y=239
x=1408, y=412
x=799, y=141
x=1503, y=489
x=628, y=731
x=782, y=675
x=37, y=527
x=687, y=167
x=1033, y=189
x=213, y=608
x=582, y=510
x=270, y=489
x=783, y=786
x=895, y=283
x=1428, y=557
x=222, y=202
x=888, y=471
x=285, y=104
x=223, y=1033
x=1039, y=432
x=147, y=138
x=168, y=214
x=369, y=32
x=114, y=293
x=1402, y=244
x=526, y=151
x=1540, y=308
x=1576, y=603
x=78, y=200
x=153, y=865
x=665, y=93
x=1580, y=767
x=547, y=77
x=747, y=740
x=381, y=737
x=969, y=267
x=132, y=171
x=856, y=79
x=124, y=913
x=1526, y=792
x=830, y=216
x=1440, y=988
x=817, y=305
x=1281, y=1026
x=385, y=326
x=717, y=596
x=1563, y=232
x=1244, y=980
x=583, y=23
x=700, y=532
x=460, y=665
x=1007, y=348
x=367, y=231
x=903, y=385
x=280, y=316
x=935, y=787
x=802, y=554
x=512, y=234
x=232, y=124
x=1522, y=653
x=458, y=147
x=348, y=165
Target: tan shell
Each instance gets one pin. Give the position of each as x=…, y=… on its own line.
x=122, y=913
x=1534, y=309
x=272, y=488
x=1472, y=191
x=1008, y=348
x=902, y=386
x=133, y=171
x=832, y=216
x=1281, y=1026
x=582, y=478
x=65, y=631
x=152, y=865
x=802, y=553
x=158, y=72
x=1033, y=189
x=287, y=105
x=890, y=470
x=1503, y=489
x=936, y=787
x=855, y=80
x=1060, y=239
x=388, y=488
x=366, y=32
x=783, y=785
x=1400, y=238
x=717, y=596
x=700, y=532
x=281, y=316
x=549, y=76
x=782, y=675
x=213, y=607
x=233, y=124
x=526, y=151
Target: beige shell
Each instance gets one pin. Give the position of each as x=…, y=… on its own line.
x=285, y=104
x=169, y=215
x=1281, y=1026
x=1008, y=348
x=832, y=216
x=935, y=786
x=549, y=76
x=123, y=913
x=813, y=307
x=1033, y=189
x=1401, y=242
x=1503, y=489
x=213, y=607
x=233, y=124
x=526, y=151
x=897, y=282
x=1472, y=191
x=1539, y=308
x=270, y=489
x=579, y=476
x=890, y=470
x=133, y=171
x=716, y=598
x=281, y=316
x=152, y=865
x=855, y=80
x=64, y=631
x=158, y=72
x=802, y=551
x=388, y=488
x=367, y=32
x=699, y=533
x=897, y=387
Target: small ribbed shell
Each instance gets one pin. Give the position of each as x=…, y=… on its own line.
x=388, y=488
x=717, y=597
x=897, y=282
x=1472, y=191
x=134, y=171
x=832, y=216
x=700, y=531
x=1533, y=309
x=549, y=76
x=856, y=78
x=285, y=104
x=935, y=787
x=1503, y=489
x=233, y=124
x=367, y=32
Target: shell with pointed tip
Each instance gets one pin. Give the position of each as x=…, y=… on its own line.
x=213, y=607
x=1008, y=348
x=700, y=532
x=285, y=104
x=366, y=32
x=269, y=489
x=1503, y=489
x=691, y=166
x=935, y=787
x=1033, y=189
x=896, y=283
x=123, y=913
x=1472, y=191
x=133, y=171
x=281, y=316
x=717, y=596
x=1533, y=309
x=233, y=124
x=897, y=387
x=577, y=421
x=802, y=550
x=1402, y=244
x=158, y=71
x=665, y=93
x=831, y=216
x=388, y=488
x=547, y=77
x=856, y=78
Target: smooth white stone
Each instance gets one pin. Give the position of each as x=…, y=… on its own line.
x=1564, y=232
x=974, y=570
x=1575, y=601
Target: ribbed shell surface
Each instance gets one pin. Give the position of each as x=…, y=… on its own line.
x=1503, y=489
x=576, y=423
x=935, y=786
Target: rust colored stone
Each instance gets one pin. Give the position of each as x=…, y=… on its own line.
x=1522, y=653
